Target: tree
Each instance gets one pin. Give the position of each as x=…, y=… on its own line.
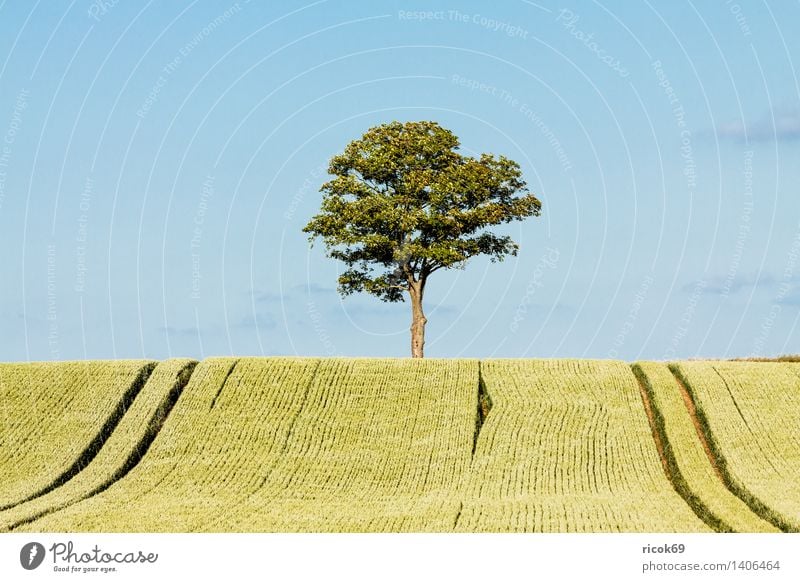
x=403, y=204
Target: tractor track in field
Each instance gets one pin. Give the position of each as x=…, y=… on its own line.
x=668, y=460
x=93, y=448
x=136, y=454
x=716, y=457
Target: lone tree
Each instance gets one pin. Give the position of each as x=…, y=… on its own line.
x=403, y=203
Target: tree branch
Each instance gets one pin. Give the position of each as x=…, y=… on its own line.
x=367, y=183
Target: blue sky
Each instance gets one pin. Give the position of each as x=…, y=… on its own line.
x=158, y=161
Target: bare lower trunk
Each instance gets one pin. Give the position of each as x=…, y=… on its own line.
x=418, y=320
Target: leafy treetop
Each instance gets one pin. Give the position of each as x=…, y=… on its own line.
x=403, y=203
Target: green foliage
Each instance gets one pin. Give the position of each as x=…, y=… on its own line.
x=784, y=358
x=403, y=203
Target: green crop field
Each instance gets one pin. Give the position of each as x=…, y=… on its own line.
x=299, y=445
x=750, y=412
x=124, y=446
x=399, y=445
x=567, y=447
x=691, y=465
x=55, y=417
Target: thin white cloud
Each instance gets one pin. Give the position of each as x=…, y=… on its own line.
x=779, y=125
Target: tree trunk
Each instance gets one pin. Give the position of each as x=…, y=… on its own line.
x=418, y=320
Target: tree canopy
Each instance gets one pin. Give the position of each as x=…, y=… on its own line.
x=403, y=203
